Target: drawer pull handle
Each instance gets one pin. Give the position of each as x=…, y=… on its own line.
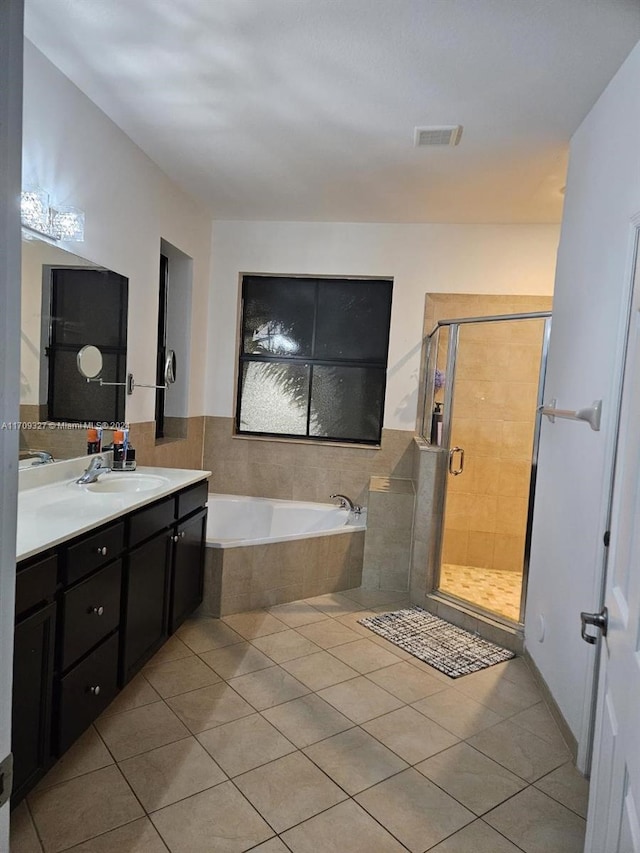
x=95, y=690
x=103, y=551
x=98, y=611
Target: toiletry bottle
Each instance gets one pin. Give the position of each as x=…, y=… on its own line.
x=118, y=449
x=93, y=441
x=130, y=458
x=436, y=425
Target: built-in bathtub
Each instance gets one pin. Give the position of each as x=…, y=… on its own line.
x=262, y=552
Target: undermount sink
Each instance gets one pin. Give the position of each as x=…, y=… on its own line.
x=110, y=484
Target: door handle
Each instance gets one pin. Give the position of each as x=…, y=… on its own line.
x=598, y=620
x=452, y=452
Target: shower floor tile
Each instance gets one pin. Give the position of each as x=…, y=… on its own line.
x=491, y=589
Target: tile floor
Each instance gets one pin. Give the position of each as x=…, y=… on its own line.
x=296, y=729
x=494, y=590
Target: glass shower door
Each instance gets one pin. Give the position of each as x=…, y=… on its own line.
x=495, y=369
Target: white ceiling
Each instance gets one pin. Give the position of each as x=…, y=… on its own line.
x=305, y=109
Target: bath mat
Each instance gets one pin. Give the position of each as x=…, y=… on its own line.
x=443, y=646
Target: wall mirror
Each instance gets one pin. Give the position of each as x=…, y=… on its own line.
x=69, y=303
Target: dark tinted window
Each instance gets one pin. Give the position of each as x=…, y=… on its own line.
x=313, y=357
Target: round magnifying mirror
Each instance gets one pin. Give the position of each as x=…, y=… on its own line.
x=170, y=368
x=89, y=360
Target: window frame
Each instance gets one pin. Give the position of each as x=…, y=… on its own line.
x=372, y=364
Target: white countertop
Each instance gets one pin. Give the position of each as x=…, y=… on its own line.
x=52, y=508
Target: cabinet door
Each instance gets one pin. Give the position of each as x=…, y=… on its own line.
x=146, y=589
x=32, y=688
x=188, y=568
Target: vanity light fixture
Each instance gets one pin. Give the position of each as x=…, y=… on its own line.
x=58, y=222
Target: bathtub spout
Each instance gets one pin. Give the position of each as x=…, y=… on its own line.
x=347, y=503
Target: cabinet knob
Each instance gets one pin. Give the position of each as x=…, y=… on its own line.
x=183, y=534
x=103, y=551
x=174, y=538
x=95, y=690
x=98, y=611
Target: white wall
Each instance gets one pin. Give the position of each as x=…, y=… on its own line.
x=589, y=314
x=74, y=151
x=516, y=259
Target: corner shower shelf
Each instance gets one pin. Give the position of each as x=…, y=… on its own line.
x=591, y=414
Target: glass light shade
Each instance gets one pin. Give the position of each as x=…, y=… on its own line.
x=67, y=223
x=34, y=209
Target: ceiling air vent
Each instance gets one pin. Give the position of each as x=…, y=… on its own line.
x=444, y=135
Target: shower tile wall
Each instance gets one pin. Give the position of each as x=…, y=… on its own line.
x=496, y=389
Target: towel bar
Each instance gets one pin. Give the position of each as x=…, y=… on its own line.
x=591, y=414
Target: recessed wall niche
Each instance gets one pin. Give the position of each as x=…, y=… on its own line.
x=174, y=333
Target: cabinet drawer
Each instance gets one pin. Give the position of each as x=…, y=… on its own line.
x=93, y=551
x=36, y=584
x=151, y=520
x=90, y=610
x=192, y=499
x=86, y=691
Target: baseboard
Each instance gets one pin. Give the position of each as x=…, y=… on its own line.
x=554, y=710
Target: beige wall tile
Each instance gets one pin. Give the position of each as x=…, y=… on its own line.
x=480, y=549
x=517, y=439
x=511, y=516
x=520, y=400
x=508, y=554
x=482, y=513
x=300, y=470
x=514, y=476
x=458, y=511
x=454, y=547
x=483, y=472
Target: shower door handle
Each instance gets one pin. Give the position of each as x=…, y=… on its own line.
x=452, y=452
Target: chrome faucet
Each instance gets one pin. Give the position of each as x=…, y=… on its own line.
x=93, y=471
x=40, y=457
x=347, y=503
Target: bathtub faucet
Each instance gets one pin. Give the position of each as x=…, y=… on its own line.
x=347, y=503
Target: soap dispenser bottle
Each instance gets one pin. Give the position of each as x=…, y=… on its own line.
x=119, y=449
x=436, y=425
x=93, y=441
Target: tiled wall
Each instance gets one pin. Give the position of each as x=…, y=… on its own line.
x=496, y=391
x=387, y=543
x=65, y=442
x=299, y=470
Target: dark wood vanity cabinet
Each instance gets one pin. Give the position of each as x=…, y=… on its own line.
x=90, y=613
x=144, y=627
x=188, y=568
x=88, y=634
x=163, y=575
x=33, y=661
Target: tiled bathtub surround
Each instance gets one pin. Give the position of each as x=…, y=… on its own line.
x=309, y=734
x=300, y=470
x=251, y=576
x=387, y=542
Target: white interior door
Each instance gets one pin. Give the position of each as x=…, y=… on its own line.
x=613, y=824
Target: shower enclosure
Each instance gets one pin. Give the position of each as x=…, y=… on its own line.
x=484, y=384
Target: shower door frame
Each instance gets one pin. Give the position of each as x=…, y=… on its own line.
x=452, y=353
